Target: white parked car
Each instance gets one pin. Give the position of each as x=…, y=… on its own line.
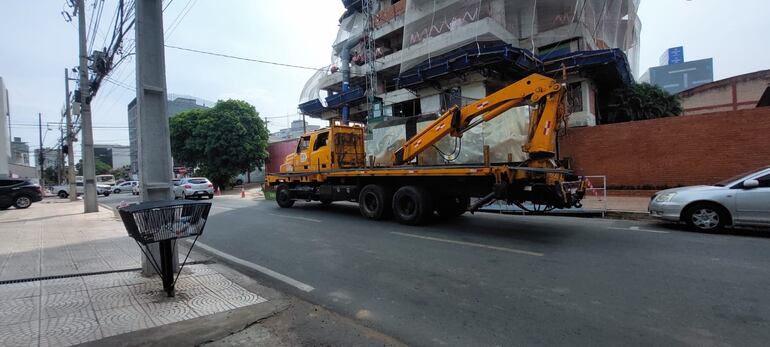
x=743, y=200
x=124, y=187
x=178, y=189
x=63, y=190
x=197, y=187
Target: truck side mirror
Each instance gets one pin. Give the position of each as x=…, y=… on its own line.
x=750, y=184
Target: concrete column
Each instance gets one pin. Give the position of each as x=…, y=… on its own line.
x=155, y=170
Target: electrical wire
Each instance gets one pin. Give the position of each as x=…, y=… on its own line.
x=244, y=59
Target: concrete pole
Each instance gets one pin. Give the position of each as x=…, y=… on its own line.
x=73, y=190
x=155, y=166
x=89, y=165
x=41, y=156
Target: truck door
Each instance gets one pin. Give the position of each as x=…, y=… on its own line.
x=320, y=155
x=301, y=162
x=753, y=204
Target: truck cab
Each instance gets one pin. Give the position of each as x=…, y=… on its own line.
x=335, y=147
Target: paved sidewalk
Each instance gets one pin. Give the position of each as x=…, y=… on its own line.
x=50, y=296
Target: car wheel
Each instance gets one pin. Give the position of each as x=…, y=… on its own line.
x=22, y=201
x=116, y=191
x=374, y=202
x=62, y=194
x=283, y=196
x=412, y=205
x=705, y=217
x=106, y=194
x=238, y=182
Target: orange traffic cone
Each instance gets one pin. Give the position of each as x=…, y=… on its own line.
x=243, y=193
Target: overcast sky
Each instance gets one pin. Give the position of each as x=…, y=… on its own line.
x=36, y=44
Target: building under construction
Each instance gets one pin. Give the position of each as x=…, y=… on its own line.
x=394, y=60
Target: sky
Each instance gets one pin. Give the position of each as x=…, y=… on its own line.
x=36, y=44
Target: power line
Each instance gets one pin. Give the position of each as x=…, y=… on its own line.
x=245, y=59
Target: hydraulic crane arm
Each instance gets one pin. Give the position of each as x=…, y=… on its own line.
x=542, y=135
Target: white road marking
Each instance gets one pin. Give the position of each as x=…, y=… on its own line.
x=504, y=249
x=281, y=277
x=294, y=217
x=638, y=229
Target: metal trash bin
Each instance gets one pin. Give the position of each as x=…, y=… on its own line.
x=164, y=222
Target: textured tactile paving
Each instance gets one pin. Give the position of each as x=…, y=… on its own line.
x=20, y=334
x=103, y=281
x=123, y=319
x=19, y=310
x=209, y=304
x=239, y=297
x=167, y=312
x=63, y=304
x=69, y=330
x=108, y=298
x=62, y=285
x=19, y=290
x=215, y=282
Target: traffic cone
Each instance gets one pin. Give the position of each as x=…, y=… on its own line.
x=243, y=193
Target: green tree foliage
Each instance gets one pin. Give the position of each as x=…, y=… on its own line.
x=102, y=168
x=50, y=176
x=221, y=142
x=122, y=172
x=642, y=101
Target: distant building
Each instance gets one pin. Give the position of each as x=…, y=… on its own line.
x=19, y=152
x=50, y=157
x=675, y=75
x=296, y=130
x=173, y=107
x=116, y=156
x=730, y=94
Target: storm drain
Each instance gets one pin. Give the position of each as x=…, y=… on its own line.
x=84, y=274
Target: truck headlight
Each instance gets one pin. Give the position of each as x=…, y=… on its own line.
x=665, y=197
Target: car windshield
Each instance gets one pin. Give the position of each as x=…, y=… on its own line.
x=735, y=178
x=198, y=180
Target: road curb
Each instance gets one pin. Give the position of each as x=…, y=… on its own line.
x=624, y=215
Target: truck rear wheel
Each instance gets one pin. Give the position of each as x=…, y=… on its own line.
x=412, y=205
x=374, y=201
x=452, y=206
x=283, y=196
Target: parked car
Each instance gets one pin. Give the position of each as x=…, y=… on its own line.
x=62, y=190
x=178, y=189
x=124, y=187
x=197, y=187
x=19, y=193
x=743, y=200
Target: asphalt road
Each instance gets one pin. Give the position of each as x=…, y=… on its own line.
x=485, y=279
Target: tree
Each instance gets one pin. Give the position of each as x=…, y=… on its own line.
x=122, y=172
x=641, y=101
x=221, y=142
x=102, y=168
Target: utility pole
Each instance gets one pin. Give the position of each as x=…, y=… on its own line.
x=73, y=192
x=89, y=168
x=41, y=157
x=155, y=167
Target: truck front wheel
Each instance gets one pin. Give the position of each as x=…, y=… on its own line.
x=374, y=201
x=283, y=196
x=412, y=205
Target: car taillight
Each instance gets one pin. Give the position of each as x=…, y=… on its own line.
x=210, y=185
x=187, y=186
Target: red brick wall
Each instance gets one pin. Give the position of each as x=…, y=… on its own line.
x=277, y=152
x=683, y=150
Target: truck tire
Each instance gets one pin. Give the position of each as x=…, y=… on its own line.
x=412, y=205
x=451, y=207
x=62, y=194
x=283, y=196
x=374, y=202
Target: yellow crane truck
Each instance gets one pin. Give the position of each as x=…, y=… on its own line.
x=330, y=164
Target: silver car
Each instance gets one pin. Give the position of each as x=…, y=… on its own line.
x=743, y=200
x=197, y=187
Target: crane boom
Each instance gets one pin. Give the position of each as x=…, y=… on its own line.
x=542, y=135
